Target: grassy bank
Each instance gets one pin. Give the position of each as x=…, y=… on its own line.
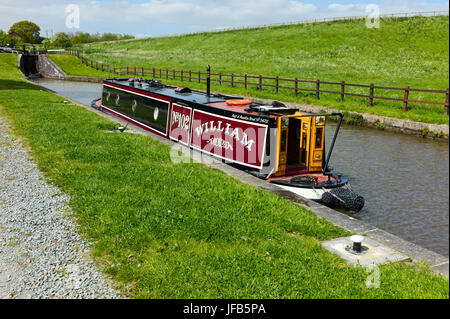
x=73, y=66
x=403, y=51
x=166, y=230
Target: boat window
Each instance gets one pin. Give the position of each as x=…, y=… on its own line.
x=319, y=137
x=283, y=141
x=303, y=156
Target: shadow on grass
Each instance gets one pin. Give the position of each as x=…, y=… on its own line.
x=17, y=85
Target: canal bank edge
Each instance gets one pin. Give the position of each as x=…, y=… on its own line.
x=437, y=263
x=50, y=70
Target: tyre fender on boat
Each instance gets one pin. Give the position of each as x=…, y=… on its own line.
x=345, y=198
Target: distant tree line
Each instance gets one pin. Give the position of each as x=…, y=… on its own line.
x=27, y=32
x=67, y=40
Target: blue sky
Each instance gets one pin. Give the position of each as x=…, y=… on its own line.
x=162, y=17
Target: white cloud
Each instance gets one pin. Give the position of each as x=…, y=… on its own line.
x=337, y=7
x=227, y=13
x=394, y=6
x=170, y=16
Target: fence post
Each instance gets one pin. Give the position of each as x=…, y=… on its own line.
x=135, y=71
x=127, y=70
x=405, y=100
x=154, y=72
x=220, y=78
x=342, y=91
x=174, y=75
x=245, y=80
x=276, y=84
x=371, y=94
x=232, y=79
x=318, y=90
x=296, y=87
x=190, y=75
x=167, y=74
x=446, y=102
x=142, y=72
x=260, y=82
x=182, y=73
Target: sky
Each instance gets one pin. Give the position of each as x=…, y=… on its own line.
x=145, y=18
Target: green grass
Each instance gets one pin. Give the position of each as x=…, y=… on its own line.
x=73, y=66
x=166, y=230
x=403, y=51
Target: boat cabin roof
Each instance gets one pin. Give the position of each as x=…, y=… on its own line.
x=194, y=96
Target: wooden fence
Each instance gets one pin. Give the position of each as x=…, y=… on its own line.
x=259, y=81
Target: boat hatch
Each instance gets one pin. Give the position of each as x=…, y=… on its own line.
x=300, y=145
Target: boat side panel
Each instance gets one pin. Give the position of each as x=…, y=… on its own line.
x=262, y=160
x=230, y=139
x=152, y=112
x=180, y=123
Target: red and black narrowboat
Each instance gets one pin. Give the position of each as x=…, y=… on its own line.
x=278, y=144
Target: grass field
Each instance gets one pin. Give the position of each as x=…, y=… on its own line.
x=73, y=66
x=166, y=230
x=403, y=51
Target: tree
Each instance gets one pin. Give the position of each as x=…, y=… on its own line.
x=80, y=38
x=61, y=40
x=7, y=40
x=27, y=31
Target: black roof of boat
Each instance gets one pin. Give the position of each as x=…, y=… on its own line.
x=170, y=91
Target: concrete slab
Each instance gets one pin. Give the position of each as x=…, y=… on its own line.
x=415, y=252
x=371, y=253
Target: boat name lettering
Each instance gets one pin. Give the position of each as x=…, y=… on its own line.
x=217, y=141
x=181, y=119
x=238, y=134
x=248, y=118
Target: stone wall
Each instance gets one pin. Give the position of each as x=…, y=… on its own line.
x=49, y=69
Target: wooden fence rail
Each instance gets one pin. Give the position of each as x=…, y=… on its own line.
x=277, y=83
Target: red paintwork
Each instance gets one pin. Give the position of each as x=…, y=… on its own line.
x=232, y=139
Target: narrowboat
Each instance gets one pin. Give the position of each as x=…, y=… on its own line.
x=281, y=145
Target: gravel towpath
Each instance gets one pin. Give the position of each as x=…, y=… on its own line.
x=41, y=253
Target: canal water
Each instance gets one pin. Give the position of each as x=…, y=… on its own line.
x=404, y=178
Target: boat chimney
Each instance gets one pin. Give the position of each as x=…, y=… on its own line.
x=208, y=80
